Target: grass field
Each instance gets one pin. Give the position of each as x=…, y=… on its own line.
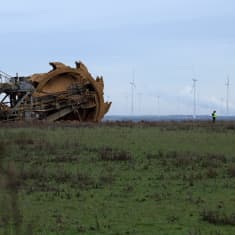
x=118, y=178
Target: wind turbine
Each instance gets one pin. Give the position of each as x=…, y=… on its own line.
x=156, y=99
x=132, y=83
x=194, y=98
x=158, y=104
x=227, y=84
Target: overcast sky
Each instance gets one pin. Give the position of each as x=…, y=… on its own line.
x=162, y=44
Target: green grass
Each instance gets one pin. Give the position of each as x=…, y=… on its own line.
x=118, y=178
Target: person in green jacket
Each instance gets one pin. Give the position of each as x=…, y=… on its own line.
x=213, y=116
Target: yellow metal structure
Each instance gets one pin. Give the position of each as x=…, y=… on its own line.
x=64, y=93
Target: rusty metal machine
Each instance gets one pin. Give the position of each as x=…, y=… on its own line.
x=64, y=93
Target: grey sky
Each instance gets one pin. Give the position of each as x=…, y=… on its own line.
x=166, y=43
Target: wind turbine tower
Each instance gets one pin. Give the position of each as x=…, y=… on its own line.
x=227, y=84
x=132, y=83
x=158, y=105
x=194, y=98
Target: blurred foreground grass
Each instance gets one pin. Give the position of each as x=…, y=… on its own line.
x=118, y=178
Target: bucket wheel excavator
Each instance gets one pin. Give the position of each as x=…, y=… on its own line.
x=64, y=93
